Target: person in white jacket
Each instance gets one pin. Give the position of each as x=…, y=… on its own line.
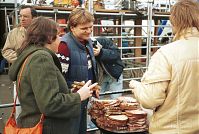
x=170, y=85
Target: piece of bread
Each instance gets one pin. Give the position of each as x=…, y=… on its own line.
x=129, y=106
x=127, y=99
x=138, y=114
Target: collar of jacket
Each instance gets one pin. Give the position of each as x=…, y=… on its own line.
x=15, y=67
x=191, y=32
x=22, y=29
x=79, y=44
x=55, y=59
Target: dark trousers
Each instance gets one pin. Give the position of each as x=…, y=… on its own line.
x=2, y=65
x=83, y=118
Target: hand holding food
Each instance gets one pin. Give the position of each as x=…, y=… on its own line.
x=76, y=86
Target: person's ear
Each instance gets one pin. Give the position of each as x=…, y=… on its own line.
x=50, y=40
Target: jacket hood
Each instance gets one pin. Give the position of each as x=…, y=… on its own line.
x=15, y=67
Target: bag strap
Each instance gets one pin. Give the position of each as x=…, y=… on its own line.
x=17, y=88
x=18, y=84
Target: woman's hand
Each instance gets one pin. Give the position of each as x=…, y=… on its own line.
x=133, y=83
x=86, y=91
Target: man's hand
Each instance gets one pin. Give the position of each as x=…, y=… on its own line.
x=97, y=50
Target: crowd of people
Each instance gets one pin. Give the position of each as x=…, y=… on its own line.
x=47, y=66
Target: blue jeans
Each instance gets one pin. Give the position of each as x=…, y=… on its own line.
x=110, y=84
x=2, y=65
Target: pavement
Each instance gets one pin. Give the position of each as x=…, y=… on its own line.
x=6, y=97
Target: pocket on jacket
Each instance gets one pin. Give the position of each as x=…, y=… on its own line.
x=115, y=70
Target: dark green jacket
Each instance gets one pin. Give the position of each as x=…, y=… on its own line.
x=43, y=90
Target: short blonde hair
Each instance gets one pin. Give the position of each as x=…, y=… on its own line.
x=79, y=16
x=184, y=15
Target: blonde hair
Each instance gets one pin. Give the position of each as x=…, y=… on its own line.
x=184, y=15
x=79, y=16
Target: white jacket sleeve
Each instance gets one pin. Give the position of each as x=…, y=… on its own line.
x=151, y=91
x=151, y=95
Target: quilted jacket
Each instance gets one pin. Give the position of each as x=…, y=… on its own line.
x=170, y=87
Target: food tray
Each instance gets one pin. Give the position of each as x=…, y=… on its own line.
x=104, y=131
